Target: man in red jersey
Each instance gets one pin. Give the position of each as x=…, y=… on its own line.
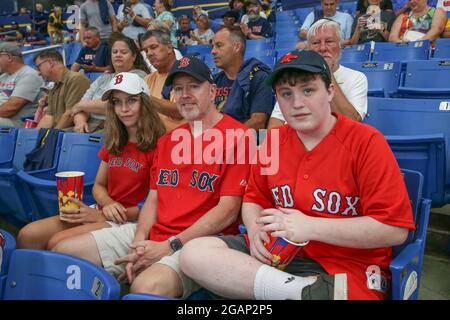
x=193, y=192
x=338, y=186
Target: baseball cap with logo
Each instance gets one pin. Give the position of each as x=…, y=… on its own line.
x=127, y=82
x=306, y=60
x=10, y=48
x=191, y=66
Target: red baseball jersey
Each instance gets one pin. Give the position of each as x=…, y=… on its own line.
x=128, y=174
x=188, y=190
x=350, y=173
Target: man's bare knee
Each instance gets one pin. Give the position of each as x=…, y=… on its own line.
x=194, y=251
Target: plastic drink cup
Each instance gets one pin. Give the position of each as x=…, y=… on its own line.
x=69, y=184
x=283, y=251
x=29, y=123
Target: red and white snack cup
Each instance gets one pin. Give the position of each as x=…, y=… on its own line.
x=29, y=123
x=70, y=184
x=283, y=251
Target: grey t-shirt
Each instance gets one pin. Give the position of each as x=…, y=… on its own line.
x=25, y=83
x=90, y=13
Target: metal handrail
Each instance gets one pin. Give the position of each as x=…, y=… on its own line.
x=46, y=48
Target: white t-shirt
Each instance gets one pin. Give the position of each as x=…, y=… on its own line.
x=132, y=31
x=354, y=86
x=25, y=83
x=205, y=36
x=444, y=4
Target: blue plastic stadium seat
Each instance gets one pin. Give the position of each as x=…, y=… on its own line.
x=78, y=153
x=383, y=77
x=45, y=275
x=426, y=79
x=73, y=54
x=264, y=44
x=442, y=49
x=198, y=49
x=8, y=137
x=209, y=60
x=7, y=246
x=356, y=53
x=418, y=119
x=14, y=205
x=302, y=13
x=406, y=266
x=391, y=51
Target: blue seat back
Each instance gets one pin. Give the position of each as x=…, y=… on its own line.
x=73, y=54
x=383, y=77
x=442, y=49
x=256, y=45
x=143, y=296
x=7, y=246
x=391, y=51
x=45, y=275
x=357, y=53
x=417, y=117
x=200, y=49
x=8, y=136
x=26, y=141
x=428, y=74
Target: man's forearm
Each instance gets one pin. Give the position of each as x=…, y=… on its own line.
x=340, y=104
x=66, y=121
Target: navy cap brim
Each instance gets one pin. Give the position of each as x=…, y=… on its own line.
x=271, y=78
x=197, y=76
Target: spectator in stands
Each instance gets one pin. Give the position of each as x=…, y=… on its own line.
x=95, y=56
x=257, y=27
x=158, y=25
x=40, y=19
x=54, y=19
x=57, y=36
x=343, y=248
x=19, y=86
x=202, y=34
x=69, y=88
x=99, y=14
x=33, y=37
x=147, y=253
x=183, y=33
x=123, y=177
x=268, y=11
x=329, y=11
x=162, y=9
x=197, y=11
x=24, y=12
x=89, y=113
x=245, y=18
x=133, y=18
x=14, y=27
x=362, y=5
x=375, y=25
x=241, y=92
x=230, y=19
x=421, y=23
x=158, y=47
x=350, y=96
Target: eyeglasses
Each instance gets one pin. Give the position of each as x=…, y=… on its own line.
x=38, y=66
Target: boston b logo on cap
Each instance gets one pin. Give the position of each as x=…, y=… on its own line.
x=288, y=57
x=184, y=62
x=119, y=79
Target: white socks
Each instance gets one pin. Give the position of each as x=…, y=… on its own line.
x=274, y=284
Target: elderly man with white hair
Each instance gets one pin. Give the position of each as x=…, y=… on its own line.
x=350, y=98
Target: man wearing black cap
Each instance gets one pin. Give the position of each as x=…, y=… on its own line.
x=230, y=18
x=19, y=86
x=189, y=197
x=257, y=27
x=328, y=197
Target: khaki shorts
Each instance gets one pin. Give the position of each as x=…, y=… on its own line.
x=114, y=243
x=189, y=285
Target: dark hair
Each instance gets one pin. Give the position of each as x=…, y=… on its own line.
x=291, y=76
x=139, y=62
x=149, y=128
x=49, y=54
x=236, y=34
x=166, y=4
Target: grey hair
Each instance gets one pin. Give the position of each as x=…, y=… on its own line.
x=324, y=23
x=158, y=25
x=162, y=36
x=94, y=30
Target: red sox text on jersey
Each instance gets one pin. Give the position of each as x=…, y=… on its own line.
x=324, y=201
x=202, y=181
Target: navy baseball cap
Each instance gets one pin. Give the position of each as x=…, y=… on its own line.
x=306, y=60
x=191, y=66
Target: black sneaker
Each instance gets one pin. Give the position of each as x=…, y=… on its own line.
x=327, y=287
